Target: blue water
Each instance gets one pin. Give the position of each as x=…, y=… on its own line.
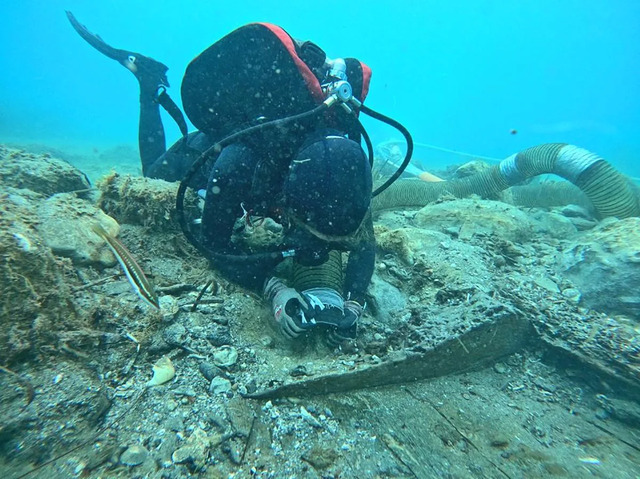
x=459, y=74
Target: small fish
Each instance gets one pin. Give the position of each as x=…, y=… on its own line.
x=139, y=282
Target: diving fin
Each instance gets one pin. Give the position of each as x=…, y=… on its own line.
x=149, y=72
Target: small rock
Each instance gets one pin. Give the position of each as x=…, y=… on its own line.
x=499, y=442
x=575, y=211
x=175, y=423
x=175, y=334
x=194, y=449
x=308, y=417
x=320, y=457
x=219, y=385
x=572, y=294
x=544, y=384
x=169, y=307
x=500, y=368
x=222, y=320
x=225, y=357
x=452, y=231
x=547, y=284
x=134, y=455
x=209, y=370
x=219, y=337
x=252, y=386
x=299, y=371
x=267, y=341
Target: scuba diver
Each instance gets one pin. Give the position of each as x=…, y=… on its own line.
x=278, y=137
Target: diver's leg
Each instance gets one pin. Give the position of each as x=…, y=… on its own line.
x=151, y=75
x=151, y=140
x=177, y=160
x=229, y=185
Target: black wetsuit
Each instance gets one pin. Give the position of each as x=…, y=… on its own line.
x=244, y=174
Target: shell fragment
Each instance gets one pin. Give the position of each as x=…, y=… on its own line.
x=163, y=372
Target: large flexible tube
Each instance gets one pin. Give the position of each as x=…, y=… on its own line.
x=327, y=275
x=607, y=189
x=547, y=195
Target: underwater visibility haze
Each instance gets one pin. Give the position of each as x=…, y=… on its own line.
x=461, y=75
x=479, y=318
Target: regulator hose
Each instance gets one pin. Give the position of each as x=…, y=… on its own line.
x=407, y=136
x=606, y=188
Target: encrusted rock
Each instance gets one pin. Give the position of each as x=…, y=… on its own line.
x=471, y=168
x=604, y=265
x=388, y=302
x=474, y=217
x=320, y=457
x=225, y=357
x=134, y=455
x=39, y=173
x=65, y=225
x=143, y=201
x=194, y=449
x=209, y=371
x=219, y=385
x=33, y=292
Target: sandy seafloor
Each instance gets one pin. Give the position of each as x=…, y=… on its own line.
x=537, y=405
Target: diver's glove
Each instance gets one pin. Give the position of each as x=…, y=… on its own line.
x=327, y=307
x=348, y=328
x=288, y=308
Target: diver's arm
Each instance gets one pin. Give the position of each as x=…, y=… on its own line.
x=361, y=265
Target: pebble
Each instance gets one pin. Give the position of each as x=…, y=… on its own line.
x=134, y=455
x=308, y=417
x=219, y=337
x=194, y=449
x=267, y=341
x=572, y=294
x=209, y=370
x=175, y=334
x=547, y=283
x=219, y=385
x=500, y=368
x=225, y=357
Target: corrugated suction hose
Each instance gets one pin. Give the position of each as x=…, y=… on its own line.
x=327, y=275
x=608, y=190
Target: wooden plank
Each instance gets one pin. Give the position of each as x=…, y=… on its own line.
x=472, y=349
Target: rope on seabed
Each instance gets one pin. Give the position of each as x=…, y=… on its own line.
x=446, y=150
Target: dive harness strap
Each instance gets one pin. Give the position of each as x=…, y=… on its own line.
x=170, y=107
